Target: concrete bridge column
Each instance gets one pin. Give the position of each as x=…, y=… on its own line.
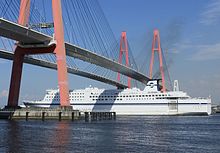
x=18, y=58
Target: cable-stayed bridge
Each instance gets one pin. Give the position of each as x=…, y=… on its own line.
x=34, y=42
x=28, y=37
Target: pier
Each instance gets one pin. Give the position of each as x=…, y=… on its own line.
x=59, y=113
x=97, y=116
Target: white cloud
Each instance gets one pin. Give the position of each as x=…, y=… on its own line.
x=206, y=52
x=211, y=15
x=3, y=93
x=200, y=52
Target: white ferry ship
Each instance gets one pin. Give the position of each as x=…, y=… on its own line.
x=150, y=101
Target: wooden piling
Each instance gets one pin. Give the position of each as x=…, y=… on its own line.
x=60, y=116
x=72, y=116
x=86, y=116
x=43, y=116
x=26, y=117
x=114, y=115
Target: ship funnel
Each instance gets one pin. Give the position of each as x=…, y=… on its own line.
x=176, y=86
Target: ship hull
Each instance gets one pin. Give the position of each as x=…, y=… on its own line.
x=162, y=108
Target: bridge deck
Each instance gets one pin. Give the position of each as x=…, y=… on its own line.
x=43, y=63
x=26, y=36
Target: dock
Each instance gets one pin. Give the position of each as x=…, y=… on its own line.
x=59, y=113
x=40, y=113
x=98, y=116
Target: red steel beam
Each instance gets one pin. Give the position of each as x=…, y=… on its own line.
x=157, y=47
x=124, y=48
x=18, y=59
x=60, y=53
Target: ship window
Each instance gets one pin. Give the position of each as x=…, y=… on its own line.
x=139, y=95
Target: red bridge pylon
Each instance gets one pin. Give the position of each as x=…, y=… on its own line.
x=124, y=48
x=156, y=47
x=58, y=48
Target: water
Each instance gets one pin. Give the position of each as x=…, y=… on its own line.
x=125, y=134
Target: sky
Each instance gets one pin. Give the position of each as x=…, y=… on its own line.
x=190, y=35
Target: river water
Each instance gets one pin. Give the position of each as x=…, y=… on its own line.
x=125, y=134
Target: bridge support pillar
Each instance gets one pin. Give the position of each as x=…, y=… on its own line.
x=157, y=47
x=58, y=49
x=17, y=71
x=18, y=58
x=15, y=78
x=124, y=48
x=60, y=53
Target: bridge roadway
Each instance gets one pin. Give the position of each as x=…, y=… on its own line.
x=29, y=37
x=43, y=63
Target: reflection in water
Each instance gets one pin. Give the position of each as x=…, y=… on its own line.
x=22, y=136
x=61, y=138
x=13, y=137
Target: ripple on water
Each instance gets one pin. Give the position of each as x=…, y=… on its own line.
x=125, y=134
